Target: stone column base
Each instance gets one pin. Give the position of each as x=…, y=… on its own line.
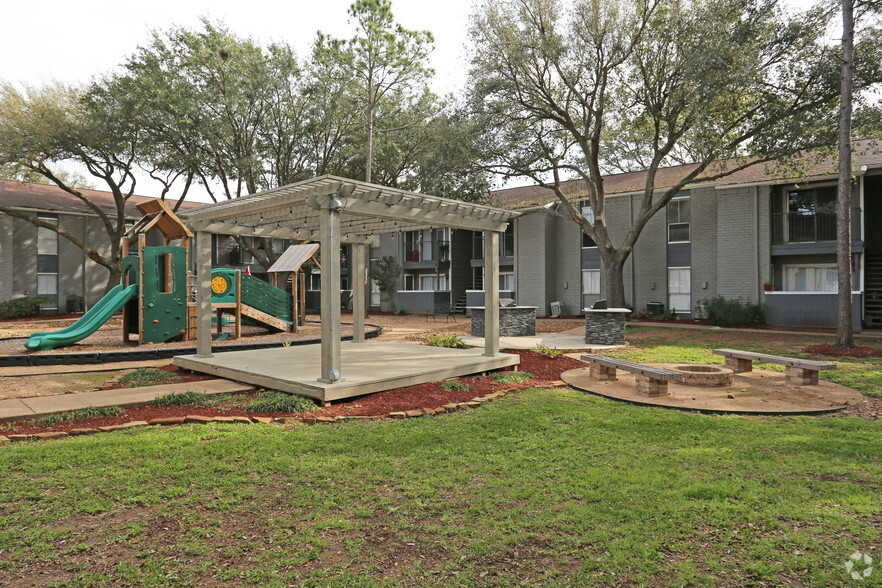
x=738, y=365
x=800, y=377
x=650, y=387
x=602, y=372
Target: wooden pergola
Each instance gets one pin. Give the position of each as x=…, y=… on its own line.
x=332, y=210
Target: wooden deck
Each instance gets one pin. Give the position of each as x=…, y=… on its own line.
x=366, y=367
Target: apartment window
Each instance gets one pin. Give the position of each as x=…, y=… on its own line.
x=315, y=281
x=506, y=243
x=409, y=282
x=506, y=282
x=678, y=220
x=47, y=262
x=811, y=278
x=432, y=282
x=477, y=245
x=680, y=289
x=591, y=282
x=811, y=215
x=588, y=213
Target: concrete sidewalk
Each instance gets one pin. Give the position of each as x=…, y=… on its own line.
x=16, y=409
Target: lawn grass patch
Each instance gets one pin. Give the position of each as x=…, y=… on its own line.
x=545, y=487
x=90, y=412
x=276, y=401
x=511, y=377
x=188, y=398
x=146, y=377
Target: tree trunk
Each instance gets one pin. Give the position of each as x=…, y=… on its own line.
x=114, y=279
x=614, y=276
x=844, y=336
x=370, y=145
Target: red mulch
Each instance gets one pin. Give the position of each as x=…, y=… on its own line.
x=181, y=377
x=544, y=371
x=831, y=351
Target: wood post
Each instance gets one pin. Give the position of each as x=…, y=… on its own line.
x=203, y=294
x=330, y=311
x=142, y=241
x=491, y=293
x=359, y=283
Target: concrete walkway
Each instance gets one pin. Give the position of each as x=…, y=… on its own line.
x=565, y=341
x=31, y=408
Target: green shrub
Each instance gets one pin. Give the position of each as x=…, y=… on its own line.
x=451, y=341
x=90, y=412
x=275, y=401
x=21, y=307
x=511, y=377
x=734, y=312
x=455, y=386
x=146, y=377
x=549, y=352
x=187, y=398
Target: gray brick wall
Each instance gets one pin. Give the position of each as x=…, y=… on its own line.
x=568, y=288
x=24, y=280
x=650, y=261
x=7, y=258
x=96, y=275
x=737, y=242
x=535, y=249
x=618, y=219
x=704, y=243
x=71, y=260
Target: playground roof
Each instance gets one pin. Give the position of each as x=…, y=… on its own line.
x=293, y=257
x=292, y=212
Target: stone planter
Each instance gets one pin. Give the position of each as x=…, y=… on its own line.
x=605, y=327
x=514, y=321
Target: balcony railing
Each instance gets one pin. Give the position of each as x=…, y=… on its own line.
x=794, y=227
x=506, y=245
x=426, y=251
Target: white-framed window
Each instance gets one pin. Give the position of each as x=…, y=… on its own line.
x=375, y=293
x=47, y=262
x=679, y=220
x=587, y=241
x=314, y=283
x=819, y=277
x=410, y=282
x=591, y=282
x=680, y=289
x=506, y=282
x=431, y=282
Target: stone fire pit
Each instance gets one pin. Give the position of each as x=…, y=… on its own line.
x=705, y=375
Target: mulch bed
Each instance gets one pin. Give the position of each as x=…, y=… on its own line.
x=545, y=371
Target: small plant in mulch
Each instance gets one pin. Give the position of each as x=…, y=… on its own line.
x=455, y=386
x=511, y=377
x=275, y=401
x=146, y=377
x=188, y=398
x=546, y=351
x=451, y=341
x=90, y=412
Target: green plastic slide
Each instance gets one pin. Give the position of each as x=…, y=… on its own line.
x=99, y=314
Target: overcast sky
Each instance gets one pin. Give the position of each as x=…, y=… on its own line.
x=74, y=41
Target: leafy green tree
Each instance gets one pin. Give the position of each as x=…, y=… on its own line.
x=386, y=275
x=384, y=61
x=572, y=88
x=41, y=128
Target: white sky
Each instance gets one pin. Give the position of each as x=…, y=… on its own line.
x=74, y=41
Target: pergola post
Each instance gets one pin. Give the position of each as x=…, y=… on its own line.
x=203, y=294
x=329, y=213
x=359, y=282
x=491, y=293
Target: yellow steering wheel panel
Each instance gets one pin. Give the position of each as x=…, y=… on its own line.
x=219, y=285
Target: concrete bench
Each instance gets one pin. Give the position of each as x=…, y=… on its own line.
x=801, y=372
x=651, y=381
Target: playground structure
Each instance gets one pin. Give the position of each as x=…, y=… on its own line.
x=155, y=291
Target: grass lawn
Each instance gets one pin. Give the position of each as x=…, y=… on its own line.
x=544, y=487
x=659, y=344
